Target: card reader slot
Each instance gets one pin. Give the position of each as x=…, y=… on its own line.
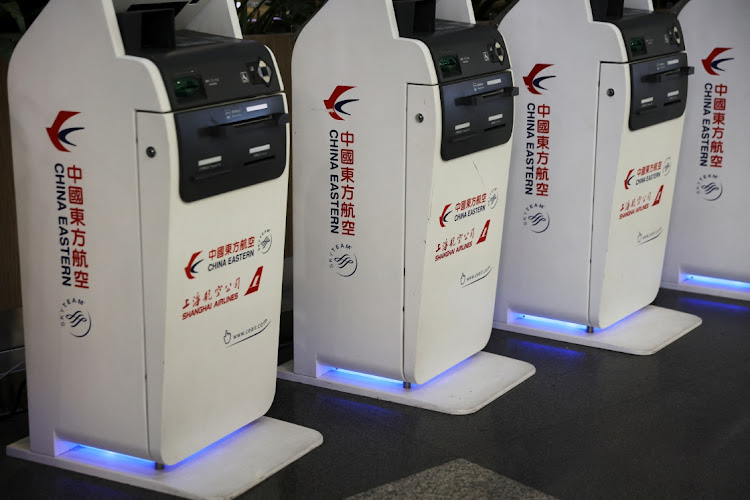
x=661, y=76
x=503, y=92
x=464, y=137
x=210, y=174
x=253, y=121
x=672, y=103
x=245, y=126
x=496, y=127
x=474, y=100
x=259, y=160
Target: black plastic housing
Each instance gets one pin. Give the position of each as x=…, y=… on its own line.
x=659, y=90
x=249, y=137
x=475, y=86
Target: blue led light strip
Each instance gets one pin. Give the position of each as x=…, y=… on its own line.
x=367, y=375
x=735, y=285
x=556, y=322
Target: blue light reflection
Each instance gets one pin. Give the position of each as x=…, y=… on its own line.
x=118, y=461
x=713, y=304
x=523, y=345
x=368, y=376
x=548, y=321
x=718, y=282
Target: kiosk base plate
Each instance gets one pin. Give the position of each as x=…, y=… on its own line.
x=224, y=470
x=466, y=388
x=642, y=333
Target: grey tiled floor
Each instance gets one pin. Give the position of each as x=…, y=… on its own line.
x=589, y=424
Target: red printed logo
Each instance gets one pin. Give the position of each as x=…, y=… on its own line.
x=190, y=270
x=711, y=64
x=444, y=215
x=483, y=236
x=335, y=106
x=534, y=82
x=255, y=284
x=658, y=196
x=58, y=135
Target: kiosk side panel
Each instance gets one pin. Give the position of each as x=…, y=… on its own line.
x=709, y=234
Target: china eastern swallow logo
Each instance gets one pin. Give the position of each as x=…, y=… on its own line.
x=629, y=178
x=190, y=270
x=711, y=63
x=58, y=135
x=444, y=215
x=336, y=106
x=534, y=82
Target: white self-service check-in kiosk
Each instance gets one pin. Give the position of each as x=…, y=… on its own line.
x=150, y=150
x=402, y=128
x=598, y=130
x=708, y=250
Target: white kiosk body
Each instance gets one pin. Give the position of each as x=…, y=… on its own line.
x=403, y=117
x=593, y=170
x=708, y=250
x=150, y=149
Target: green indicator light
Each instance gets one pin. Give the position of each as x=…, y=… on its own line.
x=449, y=65
x=637, y=45
x=186, y=87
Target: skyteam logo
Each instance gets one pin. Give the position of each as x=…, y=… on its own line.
x=58, y=135
x=534, y=82
x=712, y=64
x=536, y=218
x=335, y=104
x=709, y=187
x=343, y=260
x=75, y=318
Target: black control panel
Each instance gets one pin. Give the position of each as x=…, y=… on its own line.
x=472, y=66
x=198, y=69
x=462, y=51
x=650, y=34
x=209, y=69
x=477, y=114
x=230, y=118
x=659, y=90
x=228, y=147
x=659, y=68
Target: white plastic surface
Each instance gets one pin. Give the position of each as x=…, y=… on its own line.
x=398, y=310
x=710, y=234
x=586, y=262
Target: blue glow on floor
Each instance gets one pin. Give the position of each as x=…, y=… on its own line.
x=545, y=349
x=718, y=282
x=548, y=321
x=713, y=304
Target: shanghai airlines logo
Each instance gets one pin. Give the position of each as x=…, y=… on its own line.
x=334, y=106
x=190, y=269
x=444, y=215
x=58, y=135
x=534, y=82
x=712, y=64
